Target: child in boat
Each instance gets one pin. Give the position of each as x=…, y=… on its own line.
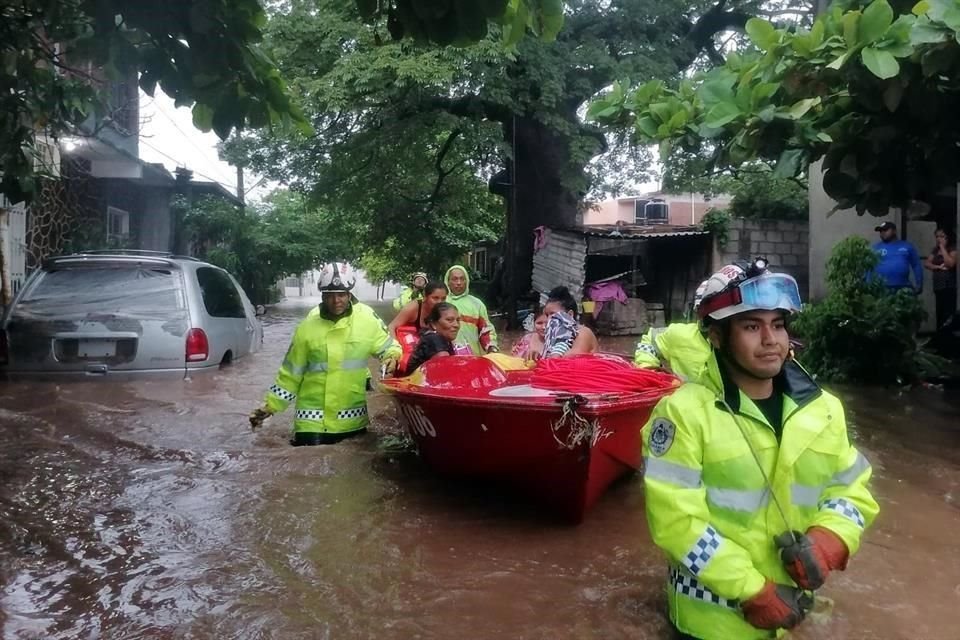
x=436, y=341
x=530, y=345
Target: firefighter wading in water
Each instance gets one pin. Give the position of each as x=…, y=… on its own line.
x=325, y=369
x=752, y=487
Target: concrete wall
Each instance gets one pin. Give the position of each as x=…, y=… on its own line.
x=827, y=231
x=785, y=244
x=156, y=226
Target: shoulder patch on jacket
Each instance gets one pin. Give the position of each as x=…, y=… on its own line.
x=661, y=438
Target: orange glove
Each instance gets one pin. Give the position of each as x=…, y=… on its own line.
x=776, y=606
x=810, y=558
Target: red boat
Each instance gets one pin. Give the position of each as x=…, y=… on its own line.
x=470, y=417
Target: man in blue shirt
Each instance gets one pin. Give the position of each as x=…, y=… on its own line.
x=897, y=259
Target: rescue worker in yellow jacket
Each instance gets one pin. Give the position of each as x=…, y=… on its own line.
x=476, y=329
x=325, y=369
x=413, y=292
x=680, y=347
x=752, y=487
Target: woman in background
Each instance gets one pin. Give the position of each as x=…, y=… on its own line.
x=942, y=262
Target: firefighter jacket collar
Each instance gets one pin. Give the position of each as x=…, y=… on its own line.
x=793, y=381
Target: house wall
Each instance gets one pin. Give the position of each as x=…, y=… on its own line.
x=156, y=226
x=826, y=231
x=560, y=262
x=613, y=211
x=13, y=238
x=785, y=244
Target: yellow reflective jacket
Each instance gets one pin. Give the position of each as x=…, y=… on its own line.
x=476, y=329
x=680, y=347
x=406, y=296
x=325, y=370
x=708, y=505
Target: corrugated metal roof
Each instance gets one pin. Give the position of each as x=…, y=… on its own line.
x=636, y=232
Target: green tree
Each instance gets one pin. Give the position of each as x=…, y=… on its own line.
x=870, y=88
x=200, y=52
x=279, y=237
x=756, y=192
x=410, y=139
x=463, y=22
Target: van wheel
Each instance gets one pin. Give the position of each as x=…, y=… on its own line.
x=227, y=359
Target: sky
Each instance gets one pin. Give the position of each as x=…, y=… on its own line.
x=167, y=136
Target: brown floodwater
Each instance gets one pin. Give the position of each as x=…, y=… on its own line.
x=150, y=510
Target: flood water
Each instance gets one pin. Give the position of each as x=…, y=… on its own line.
x=150, y=510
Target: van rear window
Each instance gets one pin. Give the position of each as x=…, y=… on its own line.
x=130, y=292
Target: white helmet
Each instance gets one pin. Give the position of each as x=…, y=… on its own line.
x=337, y=277
x=747, y=286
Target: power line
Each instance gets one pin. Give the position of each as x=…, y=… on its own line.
x=229, y=188
x=177, y=127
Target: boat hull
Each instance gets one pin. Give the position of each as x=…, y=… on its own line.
x=561, y=450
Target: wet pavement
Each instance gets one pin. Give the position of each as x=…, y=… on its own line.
x=148, y=509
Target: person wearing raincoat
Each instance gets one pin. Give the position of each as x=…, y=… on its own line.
x=752, y=487
x=680, y=347
x=325, y=369
x=476, y=330
x=413, y=292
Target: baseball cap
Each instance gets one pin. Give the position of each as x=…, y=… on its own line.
x=884, y=226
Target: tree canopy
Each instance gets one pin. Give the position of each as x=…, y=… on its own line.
x=411, y=140
x=260, y=244
x=57, y=58
x=463, y=22
x=870, y=88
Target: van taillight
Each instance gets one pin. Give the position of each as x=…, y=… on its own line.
x=198, y=348
x=4, y=347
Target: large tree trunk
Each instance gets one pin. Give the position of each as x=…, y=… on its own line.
x=537, y=188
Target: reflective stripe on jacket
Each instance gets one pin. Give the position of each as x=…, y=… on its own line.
x=708, y=506
x=476, y=330
x=680, y=347
x=325, y=370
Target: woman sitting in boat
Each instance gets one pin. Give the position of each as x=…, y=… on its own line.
x=436, y=341
x=530, y=346
x=565, y=336
x=407, y=325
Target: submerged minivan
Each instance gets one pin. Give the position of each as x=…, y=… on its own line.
x=127, y=312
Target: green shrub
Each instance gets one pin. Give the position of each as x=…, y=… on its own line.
x=717, y=222
x=861, y=332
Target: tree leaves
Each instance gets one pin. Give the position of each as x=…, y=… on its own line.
x=202, y=52
x=762, y=33
x=870, y=91
x=876, y=19
x=880, y=63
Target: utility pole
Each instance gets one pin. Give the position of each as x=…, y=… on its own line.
x=240, y=190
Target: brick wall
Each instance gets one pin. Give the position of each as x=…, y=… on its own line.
x=785, y=244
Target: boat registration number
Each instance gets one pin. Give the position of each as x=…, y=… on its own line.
x=417, y=422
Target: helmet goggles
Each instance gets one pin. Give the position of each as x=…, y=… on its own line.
x=769, y=292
